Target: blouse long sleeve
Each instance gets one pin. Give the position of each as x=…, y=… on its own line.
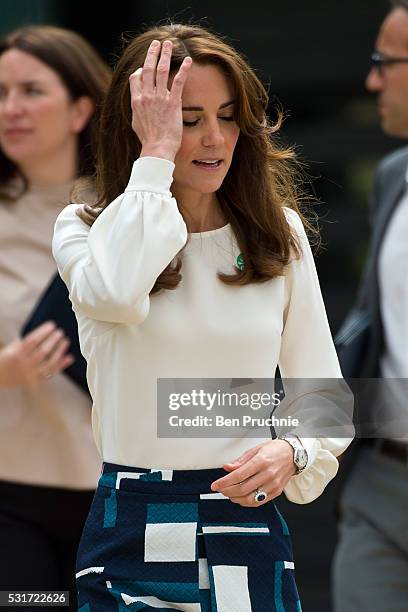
x=111, y=267
x=308, y=355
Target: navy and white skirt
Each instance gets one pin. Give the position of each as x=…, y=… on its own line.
x=162, y=540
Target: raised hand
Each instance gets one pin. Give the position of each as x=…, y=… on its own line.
x=29, y=361
x=157, y=117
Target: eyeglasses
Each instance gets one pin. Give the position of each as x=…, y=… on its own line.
x=379, y=61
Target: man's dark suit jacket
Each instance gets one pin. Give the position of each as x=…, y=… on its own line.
x=389, y=184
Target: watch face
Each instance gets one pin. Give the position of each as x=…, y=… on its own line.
x=301, y=458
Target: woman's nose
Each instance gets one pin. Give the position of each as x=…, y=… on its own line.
x=10, y=104
x=213, y=136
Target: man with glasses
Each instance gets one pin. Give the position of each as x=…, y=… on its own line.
x=370, y=570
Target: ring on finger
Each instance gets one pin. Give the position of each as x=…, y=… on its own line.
x=260, y=496
x=45, y=373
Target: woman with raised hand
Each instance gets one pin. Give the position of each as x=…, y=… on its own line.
x=51, y=81
x=192, y=263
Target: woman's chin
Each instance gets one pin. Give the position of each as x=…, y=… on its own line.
x=208, y=185
x=18, y=155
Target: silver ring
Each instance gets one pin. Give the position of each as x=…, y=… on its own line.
x=260, y=495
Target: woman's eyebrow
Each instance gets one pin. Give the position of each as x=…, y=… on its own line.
x=29, y=83
x=200, y=108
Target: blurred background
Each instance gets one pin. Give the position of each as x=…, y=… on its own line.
x=313, y=56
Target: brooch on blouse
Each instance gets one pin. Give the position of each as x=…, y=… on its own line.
x=240, y=261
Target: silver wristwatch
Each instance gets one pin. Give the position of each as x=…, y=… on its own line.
x=299, y=452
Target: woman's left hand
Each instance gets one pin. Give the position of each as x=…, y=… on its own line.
x=267, y=467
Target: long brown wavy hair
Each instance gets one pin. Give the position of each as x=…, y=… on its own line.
x=83, y=73
x=263, y=176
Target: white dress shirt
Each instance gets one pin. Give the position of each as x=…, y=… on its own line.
x=202, y=329
x=393, y=284
x=393, y=287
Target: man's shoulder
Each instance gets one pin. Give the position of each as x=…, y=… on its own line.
x=394, y=161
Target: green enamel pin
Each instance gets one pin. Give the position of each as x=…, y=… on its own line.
x=240, y=261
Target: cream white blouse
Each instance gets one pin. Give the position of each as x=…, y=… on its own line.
x=202, y=329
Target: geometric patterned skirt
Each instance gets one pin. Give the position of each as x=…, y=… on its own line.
x=162, y=540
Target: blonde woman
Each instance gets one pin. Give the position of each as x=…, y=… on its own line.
x=51, y=81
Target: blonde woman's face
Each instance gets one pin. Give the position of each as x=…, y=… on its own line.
x=210, y=132
x=37, y=117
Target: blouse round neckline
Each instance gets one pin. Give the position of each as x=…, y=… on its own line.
x=209, y=233
x=48, y=193
x=53, y=189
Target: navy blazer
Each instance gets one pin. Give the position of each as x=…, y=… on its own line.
x=55, y=305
